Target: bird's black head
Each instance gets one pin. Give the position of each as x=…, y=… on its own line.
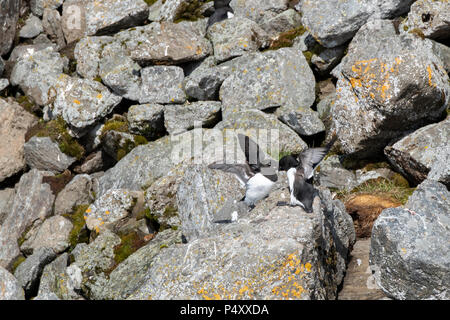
x=287, y=162
x=221, y=3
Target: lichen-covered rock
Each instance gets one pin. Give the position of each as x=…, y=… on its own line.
x=4, y=83
x=90, y=17
x=332, y=174
x=432, y=18
x=33, y=26
x=110, y=209
x=53, y=233
x=15, y=123
x=38, y=6
x=179, y=118
x=165, y=43
x=202, y=196
x=11, y=288
x=261, y=83
x=409, y=246
x=146, y=120
x=443, y=52
x=77, y=192
x=128, y=275
x=305, y=122
x=440, y=170
x=273, y=254
x=162, y=84
x=6, y=201
x=258, y=10
x=236, y=36
x=43, y=154
x=29, y=272
x=88, y=53
x=51, y=22
x=33, y=201
x=384, y=82
x=285, y=21
x=36, y=72
x=250, y=121
x=82, y=103
x=416, y=154
x=9, y=14
x=327, y=59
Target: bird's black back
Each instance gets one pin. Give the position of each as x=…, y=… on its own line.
x=304, y=192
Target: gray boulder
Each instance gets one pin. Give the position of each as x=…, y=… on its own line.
x=180, y=118
x=29, y=272
x=416, y=154
x=15, y=123
x=38, y=6
x=440, y=170
x=408, y=246
x=6, y=201
x=33, y=26
x=88, y=53
x=305, y=122
x=285, y=21
x=384, y=82
x=51, y=21
x=9, y=14
x=146, y=120
x=234, y=37
x=257, y=10
x=4, y=83
x=332, y=174
x=162, y=84
x=11, y=288
x=430, y=17
x=33, y=201
x=77, y=192
x=43, y=154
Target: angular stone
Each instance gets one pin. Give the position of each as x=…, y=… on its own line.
x=408, y=246
x=234, y=37
x=440, y=170
x=146, y=120
x=180, y=118
x=384, y=82
x=15, y=123
x=33, y=201
x=261, y=83
x=285, y=21
x=305, y=122
x=6, y=201
x=43, y=154
x=415, y=154
x=88, y=53
x=11, y=288
x=332, y=174
x=431, y=17
x=29, y=272
x=9, y=14
x=51, y=21
x=53, y=233
x=4, y=83
x=162, y=84
x=77, y=192
x=33, y=26
x=38, y=6
x=257, y=10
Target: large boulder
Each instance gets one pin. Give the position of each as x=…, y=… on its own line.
x=385, y=81
x=162, y=84
x=257, y=10
x=416, y=154
x=38, y=6
x=76, y=193
x=15, y=123
x=9, y=14
x=409, y=246
x=272, y=254
x=6, y=201
x=11, y=288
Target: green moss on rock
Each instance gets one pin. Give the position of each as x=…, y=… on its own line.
x=79, y=233
x=286, y=39
x=190, y=11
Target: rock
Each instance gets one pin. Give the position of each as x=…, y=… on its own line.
x=89, y=17
x=285, y=21
x=174, y=10
x=305, y=122
x=88, y=53
x=250, y=121
x=4, y=83
x=443, y=52
x=77, y=192
x=9, y=14
x=38, y=6
x=33, y=201
x=29, y=272
x=415, y=154
x=110, y=209
x=117, y=144
x=2, y=65
x=432, y=18
x=378, y=89
x=326, y=60
x=93, y=163
x=43, y=154
x=204, y=82
x=234, y=37
x=15, y=123
x=440, y=170
x=128, y=275
x=51, y=21
x=202, y=196
x=53, y=233
x=165, y=43
x=180, y=118
x=6, y=201
x=408, y=246
x=332, y=174
x=261, y=83
x=258, y=11
x=146, y=120
x=162, y=84
x=119, y=72
x=82, y=103
x=11, y=288
x=332, y=23
x=254, y=259
x=33, y=26
x=36, y=72
x=155, y=10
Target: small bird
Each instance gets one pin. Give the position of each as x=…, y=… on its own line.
x=301, y=169
x=257, y=174
x=222, y=12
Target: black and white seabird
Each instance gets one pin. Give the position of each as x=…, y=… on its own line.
x=222, y=12
x=256, y=174
x=302, y=192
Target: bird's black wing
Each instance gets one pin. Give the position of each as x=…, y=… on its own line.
x=310, y=158
x=253, y=154
x=242, y=171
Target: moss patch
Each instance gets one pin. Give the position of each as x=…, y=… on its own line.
x=16, y=263
x=316, y=50
x=58, y=182
x=190, y=11
x=286, y=39
x=150, y=2
x=79, y=233
x=418, y=32
x=26, y=103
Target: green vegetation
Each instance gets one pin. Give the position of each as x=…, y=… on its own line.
x=286, y=39
x=79, y=233
x=150, y=2
x=190, y=11
x=316, y=50
x=16, y=263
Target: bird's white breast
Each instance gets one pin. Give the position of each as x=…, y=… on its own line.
x=291, y=177
x=258, y=187
x=230, y=15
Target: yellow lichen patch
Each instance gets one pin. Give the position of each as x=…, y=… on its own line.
x=99, y=96
x=308, y=266
x=76, y=101
x=88, y=210
x=430, y=77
